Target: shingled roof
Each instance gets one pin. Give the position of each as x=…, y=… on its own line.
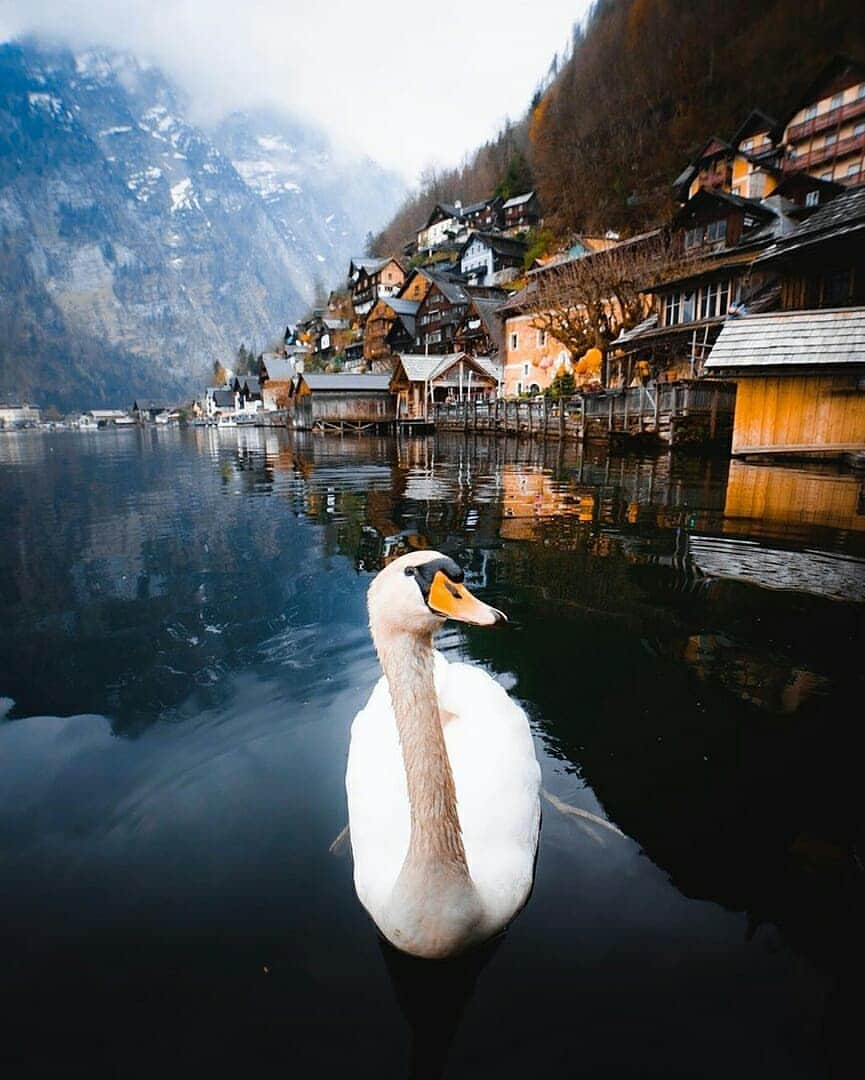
x=843, y=216
x=791, y=339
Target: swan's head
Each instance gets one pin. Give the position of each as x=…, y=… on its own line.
x=417, y=592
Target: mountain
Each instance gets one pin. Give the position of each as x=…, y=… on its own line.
x=137, y=247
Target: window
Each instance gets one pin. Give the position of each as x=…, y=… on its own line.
x=542, y=339
x=837, y=101
x=860, y=93
x=716, y=230
x=826, y=175
x=694, y=236
x=859, y=129
x=519, y=388
x=853, y=169
x=672, y=309
x=836, y=288
x=811, y=112
x=812, y=198
x=515, y=340
x=525, y=369
x=831, y=138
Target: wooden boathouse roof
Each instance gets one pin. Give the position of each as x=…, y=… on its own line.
x=790, y=339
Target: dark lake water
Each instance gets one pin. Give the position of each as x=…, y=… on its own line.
x=183, y=646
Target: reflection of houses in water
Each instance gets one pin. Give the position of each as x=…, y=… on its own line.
x=767, y=681
x=528, y=496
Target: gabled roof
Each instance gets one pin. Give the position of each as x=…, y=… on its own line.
x=452, y=289
x=421, y=368
x=486, y=309
x=278, y=368
x=518, y=200
x=320, y=383
x=474, y=208
x=502, y=245
x=792, y=339
x=843, y=216
x=724, y=200
x=400, y=306
x=446, y=210
x=755, y=121
x=713, y=147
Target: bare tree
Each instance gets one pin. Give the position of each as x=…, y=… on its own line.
x=586, y=302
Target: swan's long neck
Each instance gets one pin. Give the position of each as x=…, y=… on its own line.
x=436, y=839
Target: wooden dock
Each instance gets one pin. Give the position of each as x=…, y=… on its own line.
x=688, y=412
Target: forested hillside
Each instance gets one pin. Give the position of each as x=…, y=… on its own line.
x=647, y=82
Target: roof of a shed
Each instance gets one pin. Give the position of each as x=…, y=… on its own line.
x=791, y=339
x=340, y=383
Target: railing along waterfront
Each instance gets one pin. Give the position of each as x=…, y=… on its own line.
x=665, y=410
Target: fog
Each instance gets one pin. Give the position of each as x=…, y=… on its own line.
x=409, y=85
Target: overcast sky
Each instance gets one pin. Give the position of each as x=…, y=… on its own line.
x=408, y=84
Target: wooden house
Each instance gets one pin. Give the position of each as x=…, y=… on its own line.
x=341, y=402
x=801, y=371
x=442, y=310
x=375, y=279
x=377, y=344
x=418, y=381
x=720, y=236
x=416, y=284
x=824, y=133
x=480, y=331
x=439, y=314
x=484, y=216
x=491, y=258
x=521, y=213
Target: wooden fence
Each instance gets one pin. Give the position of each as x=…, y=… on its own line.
x=688, y=411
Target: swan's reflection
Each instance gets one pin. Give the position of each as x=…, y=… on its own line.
x=433, y=996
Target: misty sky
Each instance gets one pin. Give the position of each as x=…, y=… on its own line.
x=408, y=84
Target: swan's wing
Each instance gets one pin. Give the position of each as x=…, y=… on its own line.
x=497, y=779
x=378, y=808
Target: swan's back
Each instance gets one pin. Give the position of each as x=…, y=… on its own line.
x=497, y=781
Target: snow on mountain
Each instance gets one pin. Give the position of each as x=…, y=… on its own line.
x=135, y=247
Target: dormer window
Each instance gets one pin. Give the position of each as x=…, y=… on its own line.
x=812, y=198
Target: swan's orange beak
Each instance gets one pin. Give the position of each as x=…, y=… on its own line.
x=454, y=601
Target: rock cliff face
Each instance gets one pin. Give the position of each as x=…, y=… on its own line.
x=136, y=248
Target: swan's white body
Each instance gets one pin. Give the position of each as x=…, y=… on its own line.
x=419, y=901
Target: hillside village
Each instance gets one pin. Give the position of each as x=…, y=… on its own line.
x=767, y=237
x=758, y=279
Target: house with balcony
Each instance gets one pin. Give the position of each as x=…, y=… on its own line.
x=480, y=331
x=378, y=349
x=521, y=213
x=374, y=280
x=824, y=134
x=447, y=223
x=720, y=237
x=484, y=216
x=800, y=371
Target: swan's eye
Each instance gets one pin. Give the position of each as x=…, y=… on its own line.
x=409, y=571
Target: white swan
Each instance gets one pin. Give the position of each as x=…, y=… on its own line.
x=442, y=778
